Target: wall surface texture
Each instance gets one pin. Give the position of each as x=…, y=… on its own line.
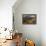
x=6, y=13
x=36, y=32
x=32, y=32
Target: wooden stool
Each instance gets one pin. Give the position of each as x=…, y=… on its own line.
x=29, y=43
x=18, y=39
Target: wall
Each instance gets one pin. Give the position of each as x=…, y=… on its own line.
x=32, y=32
x=43, y=22
x=6, y=13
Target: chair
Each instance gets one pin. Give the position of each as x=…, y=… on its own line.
x=18, y=39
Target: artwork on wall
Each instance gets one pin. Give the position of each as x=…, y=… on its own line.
x=29, y=18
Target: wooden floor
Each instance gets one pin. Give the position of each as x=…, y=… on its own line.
x=9, y=43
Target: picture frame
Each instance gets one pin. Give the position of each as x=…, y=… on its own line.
x=29, y=19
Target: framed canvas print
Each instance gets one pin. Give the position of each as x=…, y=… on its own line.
x=29, y=18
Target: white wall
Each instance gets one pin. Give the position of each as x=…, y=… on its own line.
x=6, y=13
x=30, y=31
x=43, y=22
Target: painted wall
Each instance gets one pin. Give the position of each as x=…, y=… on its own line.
x=43, y=22
x=32, y=32
x=6, y=13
